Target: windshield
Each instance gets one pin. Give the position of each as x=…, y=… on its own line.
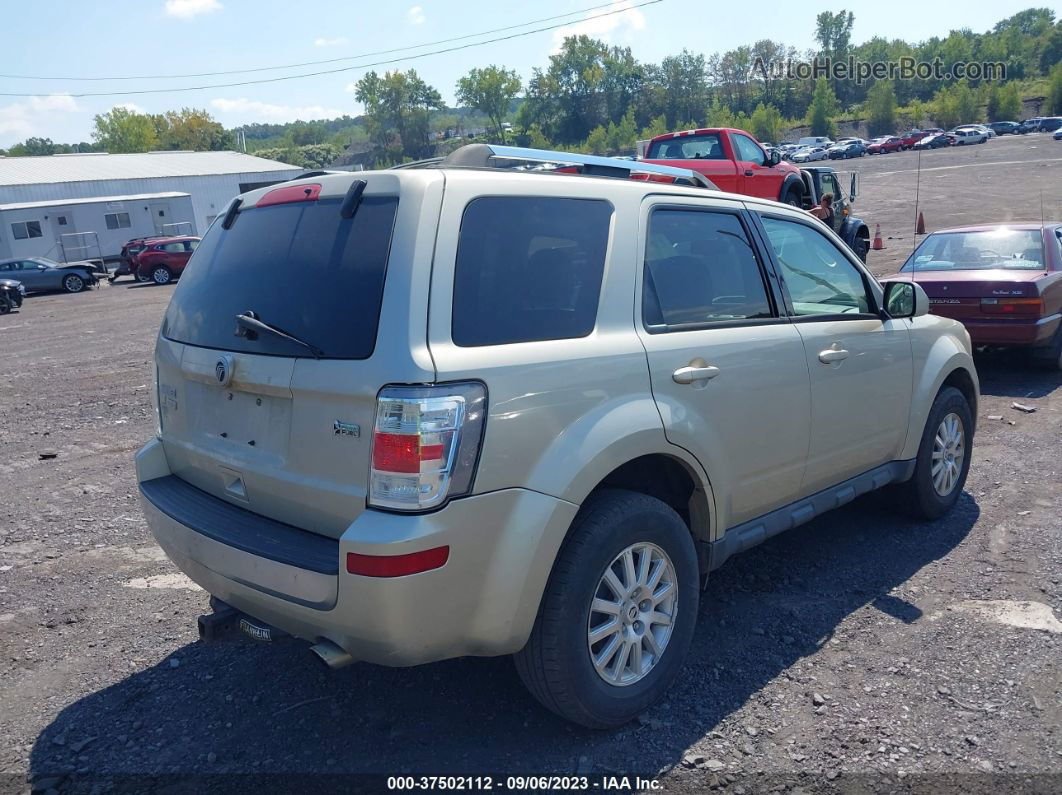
x=1018, y=249
x=300, y=267
x=688, y=147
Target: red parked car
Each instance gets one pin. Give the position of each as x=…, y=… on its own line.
x=732, y=159
x=1002, y=281
x=888, y=143
x=163, y=259
x=911, y=137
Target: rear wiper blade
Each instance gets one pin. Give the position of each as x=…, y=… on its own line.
x=248, y=324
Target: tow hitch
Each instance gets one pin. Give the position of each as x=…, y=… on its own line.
x=225, y=618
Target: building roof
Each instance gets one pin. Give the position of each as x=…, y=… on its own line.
x=99, y=166
x=92, y=200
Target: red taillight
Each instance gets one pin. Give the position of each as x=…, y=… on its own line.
x=399, y=452
x=1012, y=306
x=289, y=194
x=397, y=565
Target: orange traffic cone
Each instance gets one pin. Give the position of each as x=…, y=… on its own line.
x=878, y=245
x=920, y=229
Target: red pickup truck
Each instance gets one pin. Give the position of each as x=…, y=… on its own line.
x=732, y=159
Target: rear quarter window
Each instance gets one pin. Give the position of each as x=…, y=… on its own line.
x=528, y=269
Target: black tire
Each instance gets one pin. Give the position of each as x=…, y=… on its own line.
x=919, y=496
x=74, y=283
x=861, y=247
x=556, y=665
x=5, y=305
x=1049, y=357
x=791, y=197
x=161, y=275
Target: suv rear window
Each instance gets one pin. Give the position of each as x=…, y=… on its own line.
x=528, y=269
x=300, y=267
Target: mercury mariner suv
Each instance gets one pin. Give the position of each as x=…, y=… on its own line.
x=500, y=409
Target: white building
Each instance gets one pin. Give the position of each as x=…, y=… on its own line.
x=74, y=202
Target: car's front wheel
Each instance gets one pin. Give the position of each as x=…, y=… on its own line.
x=73, y=283
x=5, y=305
x=161, y=275
x=943, y=457
x=618, y=613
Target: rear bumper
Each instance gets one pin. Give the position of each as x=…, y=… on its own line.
x=483, y=601
x=1035, y=331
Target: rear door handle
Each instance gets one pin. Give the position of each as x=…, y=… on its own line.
x=835, y=353
x=748, y=172
x=688, y=375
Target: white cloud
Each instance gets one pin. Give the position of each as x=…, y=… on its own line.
x=186, y=9
x=21, y=120
x=350, y=88
x=624, y=23
x=415, y=16
x=264, y=110
x=338, y=41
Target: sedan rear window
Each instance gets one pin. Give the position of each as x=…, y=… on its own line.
x=528, y=269
x=1017, y=249
x=300, y=267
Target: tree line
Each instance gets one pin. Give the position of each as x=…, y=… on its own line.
x=593, y=96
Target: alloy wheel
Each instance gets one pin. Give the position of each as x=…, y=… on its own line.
x=949, y=450
x=633, y=614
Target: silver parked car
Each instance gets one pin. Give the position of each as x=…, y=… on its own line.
x=521, y=412
x=39, y=274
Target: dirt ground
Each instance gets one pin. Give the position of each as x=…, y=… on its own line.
x=859, y=653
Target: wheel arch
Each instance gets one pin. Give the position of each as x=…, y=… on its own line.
x=791, y=182
x=946, y=363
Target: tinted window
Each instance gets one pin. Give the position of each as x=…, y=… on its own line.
x=820, y=278
x=688, y=147
x=700, y=268
x=301, y=267
x=528, y=269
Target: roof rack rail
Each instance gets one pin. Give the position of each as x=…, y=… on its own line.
x=491, y=155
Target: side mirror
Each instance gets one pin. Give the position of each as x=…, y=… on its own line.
x=905, y=299
x=774, y=158
x=855, y=187
x=42, y=267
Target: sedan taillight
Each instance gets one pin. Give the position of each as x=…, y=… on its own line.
x=1012, y=306
x=425, y=444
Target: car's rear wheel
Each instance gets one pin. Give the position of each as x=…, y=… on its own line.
x=943, y=457
x=73, y=283
x=618, y=613
x=161, y=275
x=5, y=305
x=1050, y=356
x=791, y=197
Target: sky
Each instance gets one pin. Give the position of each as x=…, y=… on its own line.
x=121, y=38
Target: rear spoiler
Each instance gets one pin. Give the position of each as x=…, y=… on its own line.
x=519, y=158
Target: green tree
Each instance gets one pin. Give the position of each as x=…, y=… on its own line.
x=657, y=126
x=1054, y=90
x=956, y=104
x=308, y=133
x=766, y=123
x=194, y=129
x=397, y=110
x=491, y=91
x=881, y=109
x=822, y=109
x=34, y=147
x=122, y=130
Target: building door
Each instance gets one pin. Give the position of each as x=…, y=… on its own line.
x=62, y=222
x=160, y=215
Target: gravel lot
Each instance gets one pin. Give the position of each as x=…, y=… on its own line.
x=859, y=653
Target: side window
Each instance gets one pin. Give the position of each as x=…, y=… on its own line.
x=748, y=151
x=700, y=268
x=820, y=278
x=528, y=269
x=22, y=230
x=191, y=245
x=173, y=248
